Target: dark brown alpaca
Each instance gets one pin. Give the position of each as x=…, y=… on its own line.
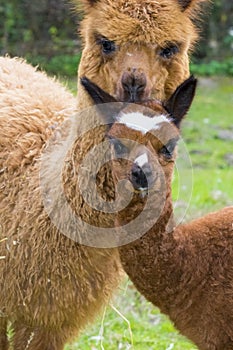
x=186, y=270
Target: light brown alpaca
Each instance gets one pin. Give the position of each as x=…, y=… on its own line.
x=50, y=286
x=186, y=270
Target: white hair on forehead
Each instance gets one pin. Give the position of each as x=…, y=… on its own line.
x=139, y=121
x=142, y=159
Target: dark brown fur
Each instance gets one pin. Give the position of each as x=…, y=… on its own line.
x=188, y=274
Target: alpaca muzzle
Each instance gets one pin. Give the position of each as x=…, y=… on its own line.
x=133, y=85
x=142, y=178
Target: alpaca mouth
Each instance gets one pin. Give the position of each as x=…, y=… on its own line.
x=142, y=192
x=146, y=192
x=132, y=98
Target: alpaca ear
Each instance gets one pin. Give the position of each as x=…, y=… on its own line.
x=191, y=4
x=84, y=5
x=89, y=2
x=92, y=2
x=181, y=100
x=184, y=3
x=108, y=112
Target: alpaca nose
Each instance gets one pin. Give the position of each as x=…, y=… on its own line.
x=133, y=83
x=141, y=177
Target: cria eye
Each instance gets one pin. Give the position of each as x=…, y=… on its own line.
x=108, y=46
x=119, y=148
x=168, y=149
x=166, y=153
x=169, y=51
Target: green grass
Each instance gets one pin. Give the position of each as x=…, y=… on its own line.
x=210, y=117
x=210, y=188
x=145, y=328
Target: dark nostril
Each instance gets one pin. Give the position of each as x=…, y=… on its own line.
x=137, y=172
x=126, y=87
x=133, y=84
x=141, y=87
x=138, y=177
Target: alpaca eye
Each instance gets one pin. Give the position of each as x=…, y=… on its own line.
x=169, y=51
x=119, y=148
x=168, y=149
x=166, y=153
x=108, y=46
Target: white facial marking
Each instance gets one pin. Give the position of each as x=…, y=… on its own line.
x=142, y=160
x=144, y=192
x=129, y=54
x=141, y=122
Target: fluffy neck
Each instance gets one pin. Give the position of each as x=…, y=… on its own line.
x=146, y=260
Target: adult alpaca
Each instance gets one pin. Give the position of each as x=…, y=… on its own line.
x=186, y=270
x=50, y=286
x=134, y=50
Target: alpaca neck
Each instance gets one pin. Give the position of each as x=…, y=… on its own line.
x=146, y=262
x=158, y=217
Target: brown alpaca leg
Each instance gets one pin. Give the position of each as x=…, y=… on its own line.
x=47, y=341
x=37, y=339
x=21, y=337
x=3, y=334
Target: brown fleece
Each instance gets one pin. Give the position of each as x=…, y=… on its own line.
x=188, y=274
x=50, y=286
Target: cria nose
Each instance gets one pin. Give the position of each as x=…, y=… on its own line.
x=140, y=177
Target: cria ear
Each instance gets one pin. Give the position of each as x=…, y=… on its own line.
x=181, y=100
x=108, y=112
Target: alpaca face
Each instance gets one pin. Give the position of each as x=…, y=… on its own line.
x=143, y=138
x=137, y=50
x=142, y=147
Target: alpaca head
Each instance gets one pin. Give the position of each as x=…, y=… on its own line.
x=136, y=49
x=143, y=138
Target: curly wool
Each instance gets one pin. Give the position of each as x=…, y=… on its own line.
x=50, y=284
